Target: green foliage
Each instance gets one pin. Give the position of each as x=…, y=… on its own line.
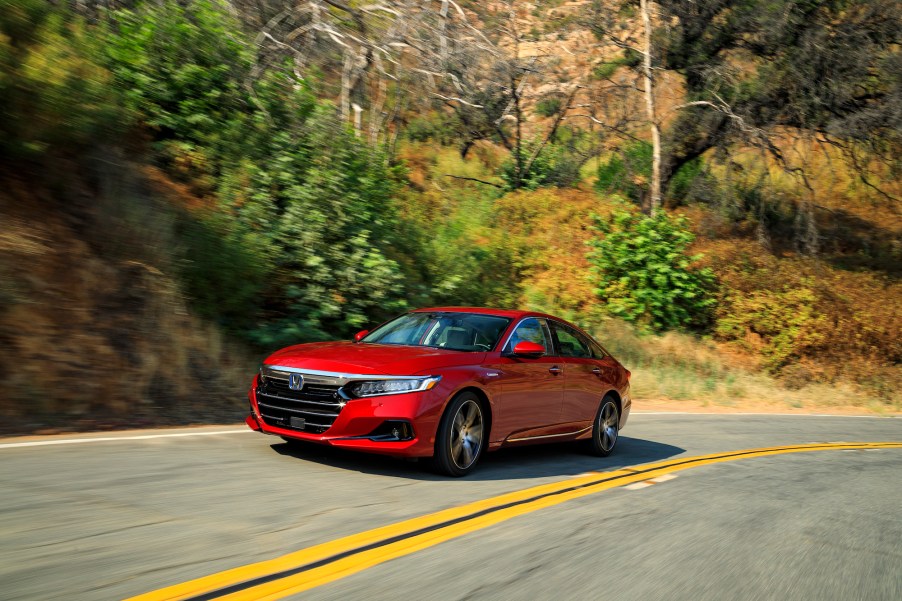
x=644, y=275
x=295, y=249
x=786, y=318
x=53, y=92
x=605, y=70
x=628, y=172
x=331, y=216
x=454, y=251
x=437, y=127
x=556, y=165
x=181, y=67
x=548, y=107
x=630, y=58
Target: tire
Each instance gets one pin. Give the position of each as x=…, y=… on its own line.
x=605, y=429
x=461, y=437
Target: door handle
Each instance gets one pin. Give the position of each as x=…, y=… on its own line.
x=596, y=371
x=555, y=370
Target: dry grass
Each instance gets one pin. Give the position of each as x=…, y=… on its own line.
x=681, y=368
x=94, y=332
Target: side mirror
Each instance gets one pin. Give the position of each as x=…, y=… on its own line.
x=359, y=335
x=528, y=349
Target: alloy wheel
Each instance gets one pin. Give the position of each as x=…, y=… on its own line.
x=607, y=426
x=466, y=434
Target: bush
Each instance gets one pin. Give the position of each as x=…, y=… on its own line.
x=295, y=246
x=786, y=318
x=628, y=172
x=322, y=198
x=182, y=67
x=548, y=107
x=54, y=93
x=435, y=126
x=644, y=275
x=555, y=165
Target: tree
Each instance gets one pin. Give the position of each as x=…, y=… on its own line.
x=829, y=68
x=649, y=80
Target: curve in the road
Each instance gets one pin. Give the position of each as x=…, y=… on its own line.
x=320, y=564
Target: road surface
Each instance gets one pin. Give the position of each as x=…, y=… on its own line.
x=113, y=516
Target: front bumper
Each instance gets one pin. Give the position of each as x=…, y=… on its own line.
x=359, y=418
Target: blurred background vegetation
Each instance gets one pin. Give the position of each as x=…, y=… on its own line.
x=188, y=185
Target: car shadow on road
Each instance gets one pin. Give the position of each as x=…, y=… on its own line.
x=564, y=459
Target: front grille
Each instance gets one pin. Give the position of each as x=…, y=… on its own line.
x=317, y=404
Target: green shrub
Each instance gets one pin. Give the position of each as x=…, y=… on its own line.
x=556, y=165
x=786, y=319
x=630, y=58
x=296, y=247
x=324, y=200
x=605, y=70
x=643, y=273
x=435, y=126
x=54, y=93
x=548, y=107
x=182, y=68
x=628, y=172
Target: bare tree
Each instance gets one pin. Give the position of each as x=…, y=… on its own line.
x=649, y=80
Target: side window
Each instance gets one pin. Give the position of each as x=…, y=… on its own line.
x=529, y=329
x=571, y=343
x=597, y=351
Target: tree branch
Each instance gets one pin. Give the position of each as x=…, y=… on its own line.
x=473, y=179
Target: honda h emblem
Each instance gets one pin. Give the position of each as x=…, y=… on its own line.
x=295, y=381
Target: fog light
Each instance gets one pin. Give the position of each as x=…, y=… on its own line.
x=392, y=431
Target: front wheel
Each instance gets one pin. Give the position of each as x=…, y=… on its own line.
x=605, y=429
x=461, y=436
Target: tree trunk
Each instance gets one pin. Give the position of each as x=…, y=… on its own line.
x=648, y=76
x=518, y=152
x=693, y=133
x=345, y=99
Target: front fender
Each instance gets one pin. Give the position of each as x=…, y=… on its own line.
x=455, y=380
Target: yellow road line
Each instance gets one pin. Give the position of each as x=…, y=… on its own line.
x=320, y=564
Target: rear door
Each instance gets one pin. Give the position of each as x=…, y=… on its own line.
x=587, y=377
x=531, y=390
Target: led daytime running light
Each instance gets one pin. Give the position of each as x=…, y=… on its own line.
x=380, y=387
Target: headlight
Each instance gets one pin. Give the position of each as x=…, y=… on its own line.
x=400, y=386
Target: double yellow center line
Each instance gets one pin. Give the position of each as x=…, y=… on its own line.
x=308, y=568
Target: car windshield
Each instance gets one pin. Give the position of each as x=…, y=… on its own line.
x=447, y=330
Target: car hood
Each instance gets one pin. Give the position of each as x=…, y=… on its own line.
x=365, y=358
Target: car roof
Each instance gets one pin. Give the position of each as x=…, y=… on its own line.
x=511, y=313
x=514, y=313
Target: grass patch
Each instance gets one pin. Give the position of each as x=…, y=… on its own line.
x=680, y=367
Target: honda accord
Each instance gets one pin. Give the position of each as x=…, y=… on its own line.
x=448, y=383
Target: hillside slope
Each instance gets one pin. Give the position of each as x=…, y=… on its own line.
x=94, y=330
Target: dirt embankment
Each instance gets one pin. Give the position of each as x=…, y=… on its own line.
x=93, y=330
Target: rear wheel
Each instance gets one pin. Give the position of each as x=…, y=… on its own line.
x=605, y=429
x=461, y=436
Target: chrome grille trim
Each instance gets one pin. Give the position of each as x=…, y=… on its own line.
x=326, y=378
x=282, y=398
x=316, y=413
x=318, y=400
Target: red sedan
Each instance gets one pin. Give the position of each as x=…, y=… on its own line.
x=448, y=383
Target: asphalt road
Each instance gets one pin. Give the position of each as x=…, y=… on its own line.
x=109, y=519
